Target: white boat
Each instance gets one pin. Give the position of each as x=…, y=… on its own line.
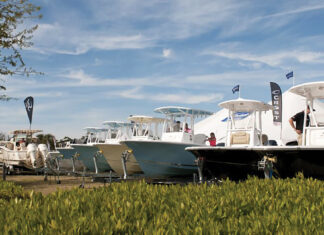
x=283, y=161
x=166, y=157
x=23, y=152
x=142, y=128
x=88, y=153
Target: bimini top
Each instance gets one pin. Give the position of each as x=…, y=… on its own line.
x=27, y=132
x=313, y=90
x=94, y=129
x=244, y=105
x=145, y=119
x=181, y=111
x=116, y=124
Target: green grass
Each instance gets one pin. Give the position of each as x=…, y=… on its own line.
x=255, y=206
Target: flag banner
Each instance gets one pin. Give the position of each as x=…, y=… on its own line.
x=29, y=104
x=236, y=88
x=290, y=75
x=276, y=96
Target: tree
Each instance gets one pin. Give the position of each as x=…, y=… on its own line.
x=47, y=139
x=14, y=37
x=2, y=136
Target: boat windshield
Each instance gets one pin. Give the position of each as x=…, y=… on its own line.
x=180, y=119
x=146, y=126
x=117, y=130
x=95, y=134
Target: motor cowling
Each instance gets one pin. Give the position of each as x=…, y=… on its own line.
x=41, y=154
x=31, y=155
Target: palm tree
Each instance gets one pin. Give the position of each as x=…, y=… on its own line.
x=47, y=139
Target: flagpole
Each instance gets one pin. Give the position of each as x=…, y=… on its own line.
x=281, y=131
x=239, y=92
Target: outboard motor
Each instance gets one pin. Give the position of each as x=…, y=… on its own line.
x=41, y=155
x=31, y=155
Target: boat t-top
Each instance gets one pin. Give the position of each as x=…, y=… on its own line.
x=145, y=127
x=117, y=130
x=166, y=157
x=234, y=160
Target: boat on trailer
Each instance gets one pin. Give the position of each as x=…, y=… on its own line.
x=120, y=156
x=166, y=157
x=89, y=154
x=22, y=152
x=235, y=159
x=68, y=157
x=112, y=149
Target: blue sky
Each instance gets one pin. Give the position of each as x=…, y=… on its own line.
x=104, y=60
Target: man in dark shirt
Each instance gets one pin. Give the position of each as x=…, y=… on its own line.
x=299, y=119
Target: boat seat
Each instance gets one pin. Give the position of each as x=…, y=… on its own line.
x=240, y=138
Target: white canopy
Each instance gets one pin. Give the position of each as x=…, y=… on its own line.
x=145, y=119
x=94, y=129
x=244, y=105
x=26, y=132
x=181, y=111
x=116, y=124
x=314, y=90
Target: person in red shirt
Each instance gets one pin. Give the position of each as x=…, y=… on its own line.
x=212, y=139
x=187, y=129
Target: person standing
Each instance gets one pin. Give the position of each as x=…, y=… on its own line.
x=298, y=118
x=187, y=129
x=212, y=139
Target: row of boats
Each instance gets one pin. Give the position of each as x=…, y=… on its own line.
x=170, y=147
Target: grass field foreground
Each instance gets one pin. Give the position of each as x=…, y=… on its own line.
x=286, y=206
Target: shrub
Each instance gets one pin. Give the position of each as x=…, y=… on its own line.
x=255, y=206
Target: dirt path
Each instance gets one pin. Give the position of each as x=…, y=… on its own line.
x=37, y=183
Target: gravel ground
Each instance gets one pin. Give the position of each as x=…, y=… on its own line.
x=37, y=183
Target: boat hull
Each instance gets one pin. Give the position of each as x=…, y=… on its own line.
x=238, y=163
x=159, y=159
x=67, y=153
x=66, y=162
x=234, y=163
x=113, y=153
x=86, y=153
x=290, y=161
x=14, y=158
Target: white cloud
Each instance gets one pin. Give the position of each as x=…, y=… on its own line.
x=294, y=11
x=274, y=59
x=180, y=97
x=89, y=80
x=57, y=38
x=166, y=53
x=138, y=24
